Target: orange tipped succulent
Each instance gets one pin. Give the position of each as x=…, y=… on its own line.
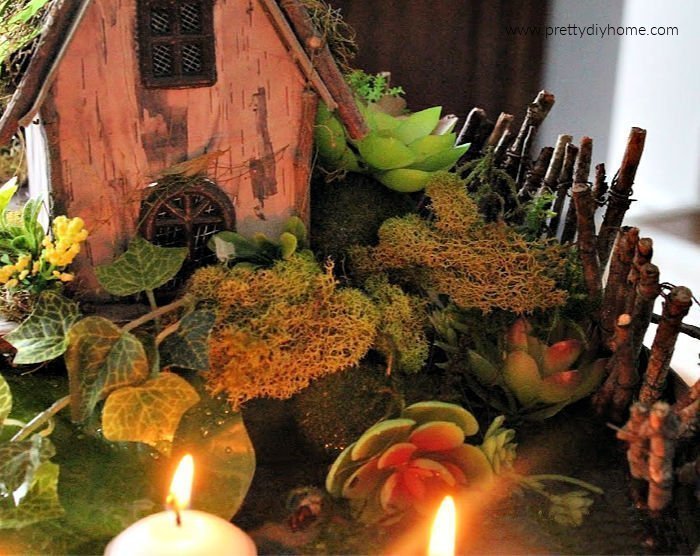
x=539, y=377
x=409, y=464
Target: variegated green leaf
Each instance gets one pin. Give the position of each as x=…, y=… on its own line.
x=99, y=359
x=5, y=400
x=142, y=267
x=188, y=347
x=44, y=334
x=149, y=413
x=19, y=462
x=40, y=503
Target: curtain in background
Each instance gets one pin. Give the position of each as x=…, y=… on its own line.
x=453, y=53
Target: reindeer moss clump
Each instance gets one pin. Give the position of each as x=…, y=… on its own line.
x=401, y=336
x=478, y=265
x=279, y=328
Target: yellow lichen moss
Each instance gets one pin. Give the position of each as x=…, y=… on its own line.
x=401, y=334
x=478, y=265
x=279, y=328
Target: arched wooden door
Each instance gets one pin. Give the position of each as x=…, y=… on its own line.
x=186, y=215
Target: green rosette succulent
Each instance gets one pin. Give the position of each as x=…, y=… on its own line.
x=401, y=151
x=408, y=464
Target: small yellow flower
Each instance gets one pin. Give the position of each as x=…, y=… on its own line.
x=11, y=283
x=66, y=277
x=36, y=266
x=23, y=274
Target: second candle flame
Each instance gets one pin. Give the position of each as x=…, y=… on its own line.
x=181, y=486
x=442, y=538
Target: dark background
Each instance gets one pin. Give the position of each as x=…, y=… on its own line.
x=452, y=53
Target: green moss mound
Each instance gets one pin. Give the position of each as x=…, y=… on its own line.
x=350, y=211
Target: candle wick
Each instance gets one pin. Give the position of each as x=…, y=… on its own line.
x=178, y=517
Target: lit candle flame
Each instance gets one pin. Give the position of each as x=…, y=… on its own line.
x=442, y=537
x=181, y=486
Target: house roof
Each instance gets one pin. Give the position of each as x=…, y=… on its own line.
x=289, y=18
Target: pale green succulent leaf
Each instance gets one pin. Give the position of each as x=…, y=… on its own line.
x=385, y=153
x=417, y=125
x=441, y=161
x=405, y=180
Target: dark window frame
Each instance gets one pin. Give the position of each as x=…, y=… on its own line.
x=176, y=38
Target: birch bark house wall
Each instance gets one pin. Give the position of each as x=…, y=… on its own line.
x=125, y=89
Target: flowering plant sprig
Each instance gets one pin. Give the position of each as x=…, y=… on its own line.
x=33, y=270
x=29, y=257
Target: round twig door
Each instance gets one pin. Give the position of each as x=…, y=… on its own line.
x=187, y=215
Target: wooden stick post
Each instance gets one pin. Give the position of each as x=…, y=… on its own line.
x=326, y=67
x=619, y=195
x=585, y=209
x=617, y=287
x=563, y=185
x=646, y=292
x=642, y=256
x=535, y=115
x=503, y=124
x=473, y=132
x=634, y=434
x=676, y=307
x=663, y=432
x=534, y=177
x=614, y=396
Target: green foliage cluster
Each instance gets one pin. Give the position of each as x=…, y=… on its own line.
x=401, y=151
x=259, y=251
x=114, y=373
x=477, y=265
x=279, y=328
x=371, y=88
x=401, y=333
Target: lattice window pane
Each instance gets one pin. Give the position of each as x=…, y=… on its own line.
x=190, y=17
x=191, y=58
x=162, y=60
x=160, y=21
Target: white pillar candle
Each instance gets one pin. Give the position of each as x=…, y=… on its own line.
x=198, y=534
x=181, y=532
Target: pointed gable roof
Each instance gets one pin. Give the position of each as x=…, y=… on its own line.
x=292, y=24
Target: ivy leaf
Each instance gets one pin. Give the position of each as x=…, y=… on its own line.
x=149, y=413
x=142, y=267
x=101, y=358
x=40, y=503
x=44, y=335
x=188, y=348
x=224, y=455
x=19, y=462
x=5, y=400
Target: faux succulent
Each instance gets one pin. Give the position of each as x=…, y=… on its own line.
x=259, y=251
x=401, y=151
x=408, y=464
x=539, y=379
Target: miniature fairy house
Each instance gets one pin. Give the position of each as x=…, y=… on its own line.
x=124, y=98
